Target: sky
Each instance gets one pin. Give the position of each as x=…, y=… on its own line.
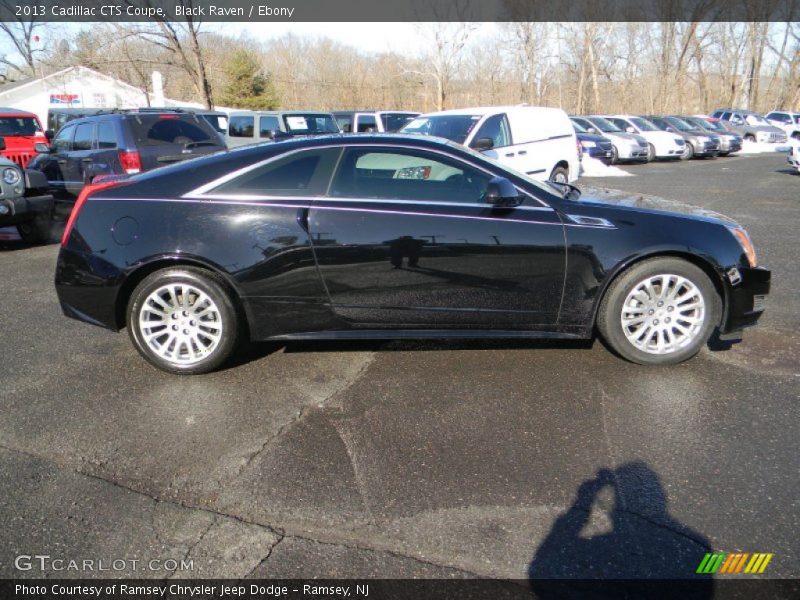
x=403, y=38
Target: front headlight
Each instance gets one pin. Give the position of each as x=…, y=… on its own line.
x=588, y=144
x=11, y=176
x=747, y=245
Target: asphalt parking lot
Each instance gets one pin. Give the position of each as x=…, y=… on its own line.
x=404, y=459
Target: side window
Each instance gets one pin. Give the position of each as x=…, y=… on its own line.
x=496, y=129
x=266, y=125
x=366, y=123
x=301, y=174
x=737, y=119
x=726, y=116
x=106, y=135
x=63, y=141
x=345, y=123
x=83, y=137
x=241, y=126
x=621, y=123
x=407, y=175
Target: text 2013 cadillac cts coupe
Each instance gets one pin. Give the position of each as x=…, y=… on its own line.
x=393, y=236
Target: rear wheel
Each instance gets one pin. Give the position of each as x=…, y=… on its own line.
x=182, y=320
x=614, y=155
x=660, y=311
x=651, y=152
x=688, y=151
x=559, y=175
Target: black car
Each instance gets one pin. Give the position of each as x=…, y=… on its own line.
x=394, y=236
x=593, y=145
x=119, y=143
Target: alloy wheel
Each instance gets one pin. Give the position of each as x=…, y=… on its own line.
x=663, y=314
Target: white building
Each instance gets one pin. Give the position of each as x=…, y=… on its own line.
x=76, y=87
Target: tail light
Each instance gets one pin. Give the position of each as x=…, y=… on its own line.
x=131, y=161
x=87, y=191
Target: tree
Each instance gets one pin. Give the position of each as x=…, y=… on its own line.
x=247, y=86
x=24, y=36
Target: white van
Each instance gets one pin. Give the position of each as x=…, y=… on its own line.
x=539, y=142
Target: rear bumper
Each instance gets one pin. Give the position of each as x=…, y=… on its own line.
x=20, y=210
x=87, y=287
x=746, y=299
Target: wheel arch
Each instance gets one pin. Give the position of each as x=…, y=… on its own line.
x=154, y=264
x=705, y=264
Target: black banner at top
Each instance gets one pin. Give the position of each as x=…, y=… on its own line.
x=398, y=10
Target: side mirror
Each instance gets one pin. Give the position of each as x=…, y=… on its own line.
x=501, y=192
x=630, y=129
x=482, y=144
x=41, y=148
x=49, y=134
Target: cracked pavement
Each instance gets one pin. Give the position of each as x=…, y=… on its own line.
x=410, y=459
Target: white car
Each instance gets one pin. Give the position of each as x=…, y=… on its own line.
x=539, y=142
x=627, y=147
x=786, y=120
x=660, y=144
x=794, y=154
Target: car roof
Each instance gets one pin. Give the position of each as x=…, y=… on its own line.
x=247, y=113
x=14, y=112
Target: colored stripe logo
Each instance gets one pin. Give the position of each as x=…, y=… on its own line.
x=733, y=563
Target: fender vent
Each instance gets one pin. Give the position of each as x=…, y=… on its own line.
x=593, y=221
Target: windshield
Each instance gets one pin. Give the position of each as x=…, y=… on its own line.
x=643, y=124
x=453, y=127
x=756, y=120
x=310, y=124
x=394, y=121
x=19, y=126
x=680, y=124
x=578, y=127
x=605, y=125
x=711, y=125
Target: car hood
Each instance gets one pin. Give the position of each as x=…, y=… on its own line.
x=645, y=203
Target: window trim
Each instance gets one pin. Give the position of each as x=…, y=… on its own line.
x=205, y=191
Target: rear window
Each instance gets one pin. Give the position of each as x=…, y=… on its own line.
x=164, y=130
x=18, y=126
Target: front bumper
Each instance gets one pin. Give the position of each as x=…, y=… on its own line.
x=707, y=149
x=22, y=209
x=633, y=153
x=746, y=299
x=601, y=154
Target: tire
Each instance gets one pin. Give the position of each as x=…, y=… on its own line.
x=750, y=137
x=614, y=155
x=209, y=340
x=651, y=153
x=723, y=153
x=37, y=230
x=688, y=151
x=698, y=314
x=559, y=175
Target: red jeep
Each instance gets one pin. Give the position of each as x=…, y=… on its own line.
x=20, y=130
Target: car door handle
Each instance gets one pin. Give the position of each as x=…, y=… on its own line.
x=302, y=218
x=522, y=152
x=62, y=161
x=510, y=154
x=87, y=160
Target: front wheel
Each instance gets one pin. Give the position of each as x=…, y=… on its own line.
x=559, y=175
x=183, y=321
x=659, y=312
x=37, y=230
x=688, y=151
x=651, y=153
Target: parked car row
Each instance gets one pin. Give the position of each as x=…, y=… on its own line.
x=643, y=138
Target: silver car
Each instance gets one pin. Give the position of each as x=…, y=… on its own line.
x=627, y=147
x=751, y=125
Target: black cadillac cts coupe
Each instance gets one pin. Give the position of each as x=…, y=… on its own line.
x=393, y=236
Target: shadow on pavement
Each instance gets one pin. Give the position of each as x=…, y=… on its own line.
x=618, y=529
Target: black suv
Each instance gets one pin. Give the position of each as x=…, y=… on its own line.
x=119, y=143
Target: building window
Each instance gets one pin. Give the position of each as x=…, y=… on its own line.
x=99, y=100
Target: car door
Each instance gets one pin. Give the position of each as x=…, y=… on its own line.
x=404, y=238
x=54, y=164
x=80, y=158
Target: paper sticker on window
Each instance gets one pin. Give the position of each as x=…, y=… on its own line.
x=296, y=122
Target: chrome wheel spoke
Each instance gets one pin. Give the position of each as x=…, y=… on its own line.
x=663, y=314
x=180, y=323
